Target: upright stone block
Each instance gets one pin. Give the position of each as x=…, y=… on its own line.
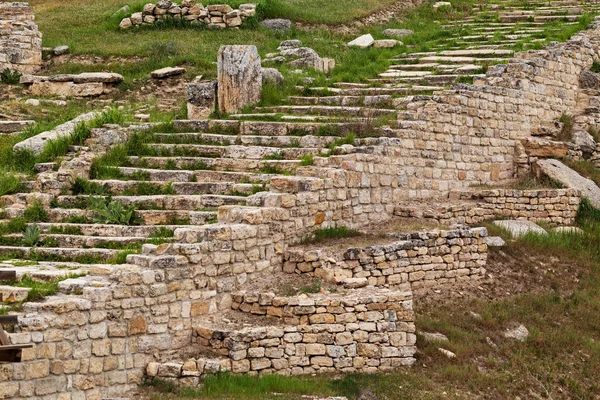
x=201, y=99
x=240, y=77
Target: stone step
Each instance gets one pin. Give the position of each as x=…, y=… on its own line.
x=164, y=202
x=117, y=187
x=397, y=90
x=203, y=175
x=69, y=241
x=12, y=294
x=253, y=140
x=76, y=285
x=67, y=254
x=183, y=169
x=331, y=110
x=459, y=60
x=52, y=270
x=431, y=79
x=152, y=218
x=477, y=53
x=369, y=101
x=234, y=151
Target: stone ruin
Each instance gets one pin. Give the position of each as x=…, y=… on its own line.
x=20, y=39
x=217, y=16
x=202, y=302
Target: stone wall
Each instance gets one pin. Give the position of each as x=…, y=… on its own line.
x=360, y=332
x=214, y=16
x=20, y=39
x=423, y=259
x=552, y=206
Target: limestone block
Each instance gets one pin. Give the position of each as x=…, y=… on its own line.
x=363, y=41
x=239, y=77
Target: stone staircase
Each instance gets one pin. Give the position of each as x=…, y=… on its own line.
x=489, y=35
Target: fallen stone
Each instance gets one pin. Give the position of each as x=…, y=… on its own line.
x=519, y=333
x=277, y=24
x=585, y=142
x=569, y=178
x=142, y=117
x=386, y=43
x=274, y=60
x=37, y=143
x=60, y=50
x=568, y=229
x=441, y=4
x=494, y=241
x=239, y=77
x=32, y=102
x=363, y=41
x=435, y=337
x=289, y=44
x=398, y=32
x=126, y=23
x=271, y=76
x=447, y=353
x=520, y=228
x=97, y=77
x=167, y=72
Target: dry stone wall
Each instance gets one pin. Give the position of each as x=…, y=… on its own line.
x=20, y=39
x=214, y=15
x=423, y=259
x=552, y=206
x=359, y=332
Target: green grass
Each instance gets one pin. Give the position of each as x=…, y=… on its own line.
x=321, y=235
x=36, y=212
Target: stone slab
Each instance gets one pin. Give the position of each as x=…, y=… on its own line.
x=569, y=178
x=37, y=143
x=520, y=228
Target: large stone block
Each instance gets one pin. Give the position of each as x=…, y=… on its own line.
x=240, y=77
x=201, y=99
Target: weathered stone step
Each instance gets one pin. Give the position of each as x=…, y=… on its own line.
x=403, y=74
x=117, y=187
x=235, y=151
x=51, y=270
x=68, y=241
x=203, y=175
x=459, y=60
x=331, y=110
x=152, y=218
x=369, y=101
x=257, y=140
x=206, y=169
x=76, y=285
x=164, y=202
x=62, y=253
x=397, y=90
x=476, y=53
x=430, y=79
